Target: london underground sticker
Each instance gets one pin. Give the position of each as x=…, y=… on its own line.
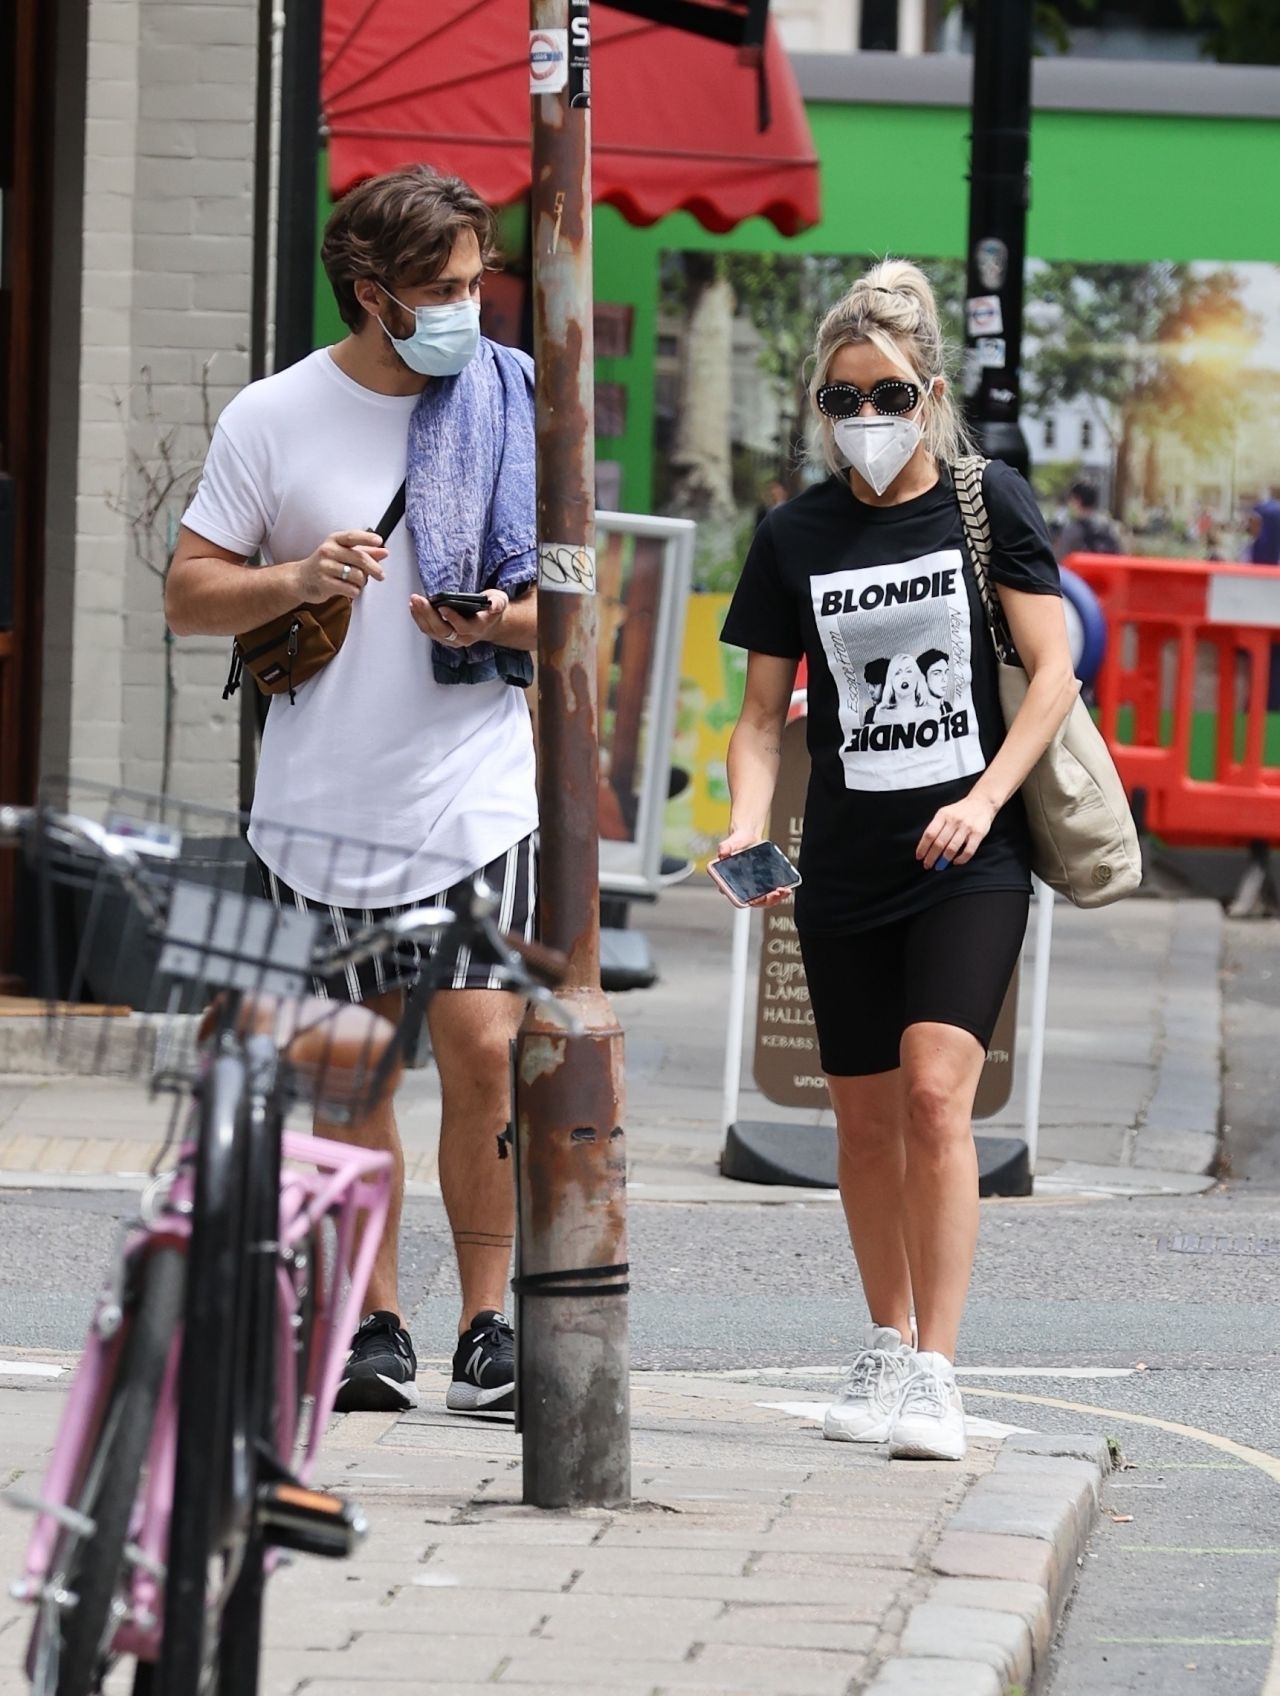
x=548, y=60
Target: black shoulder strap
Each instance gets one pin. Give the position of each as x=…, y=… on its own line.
x=392, y=516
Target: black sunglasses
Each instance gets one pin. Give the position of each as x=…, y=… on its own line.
x=890, y=396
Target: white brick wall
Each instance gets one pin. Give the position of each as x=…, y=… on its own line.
x=167, y=228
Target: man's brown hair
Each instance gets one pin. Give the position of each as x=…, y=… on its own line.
x=400, y=230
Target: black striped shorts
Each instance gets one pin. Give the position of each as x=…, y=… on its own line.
x=510, y=876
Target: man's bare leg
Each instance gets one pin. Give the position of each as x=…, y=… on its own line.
x=471, y=1035
x=381, y=1373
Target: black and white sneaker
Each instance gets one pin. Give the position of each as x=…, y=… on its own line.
x=484, y=1366
x=380, y=1373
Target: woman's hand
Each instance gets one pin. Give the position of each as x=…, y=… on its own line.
x=957, y=831
x=734, y=843
x=453, y=628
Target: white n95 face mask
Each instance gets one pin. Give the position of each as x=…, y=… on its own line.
x=877, y=448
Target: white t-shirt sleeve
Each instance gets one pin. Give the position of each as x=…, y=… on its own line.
x=229, y=507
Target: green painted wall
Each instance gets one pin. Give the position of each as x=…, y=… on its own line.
x=1105, y=187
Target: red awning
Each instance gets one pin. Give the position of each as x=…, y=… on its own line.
x=674, y=116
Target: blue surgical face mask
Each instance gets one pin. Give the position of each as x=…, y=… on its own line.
x=444, y=340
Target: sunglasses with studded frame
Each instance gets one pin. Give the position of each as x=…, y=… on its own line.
x=891, y=397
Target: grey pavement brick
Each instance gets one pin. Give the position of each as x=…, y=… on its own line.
x=622, y=1562
x=971, y=1634
x=410, y=1681
x=520, y=1569
x=1085, y=1447
x=886, y=1552
x=1023, y=1517
x=975, y=1554
x=921, y=1677
x=717, y=1668
x=572, y=1617
x=377, y=1653
x=825, y=1628
x=1007, y=1596
x=1019, y=1470
x=429, y=1613
x=880, y=1586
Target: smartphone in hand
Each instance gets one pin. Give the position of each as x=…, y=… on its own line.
x=467, y=605
x=752, y=872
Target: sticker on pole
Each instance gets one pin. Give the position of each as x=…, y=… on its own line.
x=579, y=53
x=567, y=568
x=991, y=258
x=984, y=316
x=548, y=60
x=991, y=352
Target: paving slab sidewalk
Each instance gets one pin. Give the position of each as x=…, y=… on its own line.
x=1132, y=1082
x=755, y=1558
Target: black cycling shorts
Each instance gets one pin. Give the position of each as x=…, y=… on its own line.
x=947, y=965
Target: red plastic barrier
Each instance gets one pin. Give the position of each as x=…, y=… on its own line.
x=1184, y=683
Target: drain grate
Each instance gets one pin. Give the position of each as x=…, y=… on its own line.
x=1221, y=1245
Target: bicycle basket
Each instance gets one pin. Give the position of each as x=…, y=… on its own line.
x=156, y=941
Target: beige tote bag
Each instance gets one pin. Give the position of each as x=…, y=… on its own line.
x=1084, y=843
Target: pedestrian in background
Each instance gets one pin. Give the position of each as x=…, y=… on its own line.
x=915, y=854
x=1088, y=530
x=411, y=737
x=1264, y=531
x=1264, y=549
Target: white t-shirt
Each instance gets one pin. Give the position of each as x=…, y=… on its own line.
x=438, y=778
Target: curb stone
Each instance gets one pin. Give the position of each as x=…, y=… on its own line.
x=1003, y=1571
x=1180, y=1127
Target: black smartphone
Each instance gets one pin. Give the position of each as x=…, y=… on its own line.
x=467, y=605
x=753, y=872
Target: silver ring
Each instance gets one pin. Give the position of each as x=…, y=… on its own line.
x=452, y=636
x=346, y=571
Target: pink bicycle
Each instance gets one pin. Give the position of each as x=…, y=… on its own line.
x=191, y=1431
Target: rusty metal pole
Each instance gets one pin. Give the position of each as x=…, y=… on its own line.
x=571, y=1246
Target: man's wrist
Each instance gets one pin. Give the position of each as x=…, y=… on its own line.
x=289, y=576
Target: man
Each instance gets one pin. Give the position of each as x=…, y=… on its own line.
x=1264, y=531
x=1087, y=531
x=1264, y=549
x=411, y=737
x=936, y=668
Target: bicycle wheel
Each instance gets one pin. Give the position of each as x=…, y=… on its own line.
x=240, y=1628
x=94, y=1570
x=205, y=1485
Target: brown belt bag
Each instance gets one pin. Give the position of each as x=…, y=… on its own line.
x=286, y=651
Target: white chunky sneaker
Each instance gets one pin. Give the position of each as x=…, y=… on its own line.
x=930, y=1417
x=867, y=1404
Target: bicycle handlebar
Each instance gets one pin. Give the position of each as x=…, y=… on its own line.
x=520, y=960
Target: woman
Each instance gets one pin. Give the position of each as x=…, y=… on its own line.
x=906, y=695
x=915, y=853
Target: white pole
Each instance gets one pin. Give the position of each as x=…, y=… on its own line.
x=1039, y=1015
x=737, y=1013
x=911, y=27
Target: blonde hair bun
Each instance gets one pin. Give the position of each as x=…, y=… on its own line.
x=893, y=307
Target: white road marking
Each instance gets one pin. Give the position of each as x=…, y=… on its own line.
x=1045, y=1371
x=752, y=1373
x=29, y=1369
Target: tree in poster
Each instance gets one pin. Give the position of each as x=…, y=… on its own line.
x=695, y=287
x=1151, y=346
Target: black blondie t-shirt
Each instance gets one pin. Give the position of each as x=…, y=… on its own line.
x=904, y=712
